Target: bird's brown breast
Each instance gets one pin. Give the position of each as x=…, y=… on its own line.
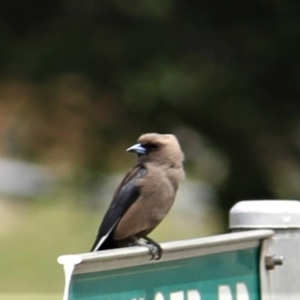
x=158, y=191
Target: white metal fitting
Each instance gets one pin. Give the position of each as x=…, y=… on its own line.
x=273, y=214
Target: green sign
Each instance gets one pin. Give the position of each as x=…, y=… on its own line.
x=230, y=275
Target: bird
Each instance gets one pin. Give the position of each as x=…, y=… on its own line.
x=145, y=195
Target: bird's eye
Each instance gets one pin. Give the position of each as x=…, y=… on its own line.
x=151, y=146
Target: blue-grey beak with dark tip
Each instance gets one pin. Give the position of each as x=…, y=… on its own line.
x=137, y=148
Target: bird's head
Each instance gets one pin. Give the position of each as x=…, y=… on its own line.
x=160, y=148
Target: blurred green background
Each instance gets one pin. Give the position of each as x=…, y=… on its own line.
x=81, y=80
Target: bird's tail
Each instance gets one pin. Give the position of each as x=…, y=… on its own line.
x=105, y=242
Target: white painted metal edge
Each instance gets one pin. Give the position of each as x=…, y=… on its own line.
x=131, y=256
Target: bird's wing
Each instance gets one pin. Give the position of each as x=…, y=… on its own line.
x=126, y=194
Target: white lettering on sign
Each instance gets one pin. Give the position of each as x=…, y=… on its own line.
x=177, y=296
x=224, y=293
x=242, y=292
x=193, y=295
x=159, y=296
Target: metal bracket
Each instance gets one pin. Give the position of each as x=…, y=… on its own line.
x=273, y=260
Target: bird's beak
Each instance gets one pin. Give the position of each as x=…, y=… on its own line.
x=137, y=148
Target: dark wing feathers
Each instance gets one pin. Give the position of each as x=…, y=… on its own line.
x=126, y=194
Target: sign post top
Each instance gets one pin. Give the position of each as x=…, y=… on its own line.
x=273, y=214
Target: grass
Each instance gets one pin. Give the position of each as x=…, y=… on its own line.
x=30, y=296
x=41, y=231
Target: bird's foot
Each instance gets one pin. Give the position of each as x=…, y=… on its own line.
x=155, y=249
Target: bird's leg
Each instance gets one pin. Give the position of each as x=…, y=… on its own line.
x=154, y=248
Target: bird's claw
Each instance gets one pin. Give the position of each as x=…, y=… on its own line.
x=154, y=248
x=155, y=251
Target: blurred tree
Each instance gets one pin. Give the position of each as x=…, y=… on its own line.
x=104, y=72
